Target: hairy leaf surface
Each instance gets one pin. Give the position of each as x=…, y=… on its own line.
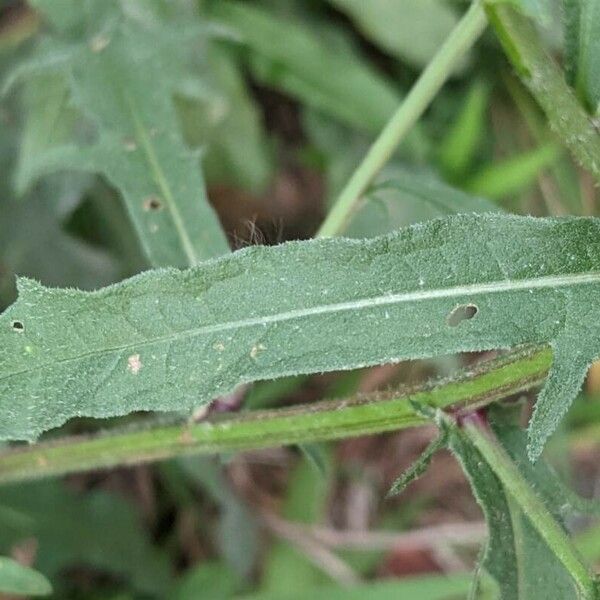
x=515, y=554
x=171, y=340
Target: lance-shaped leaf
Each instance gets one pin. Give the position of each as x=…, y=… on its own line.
x=171, y=340
x=21, y=581
x=122, y=76
x=515, y=554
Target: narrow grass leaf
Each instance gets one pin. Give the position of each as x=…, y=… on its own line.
x=174, y=340
x=513, y=174
x=458, y=148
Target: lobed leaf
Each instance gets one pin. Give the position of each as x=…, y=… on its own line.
x=122, y=70
x=173, y=340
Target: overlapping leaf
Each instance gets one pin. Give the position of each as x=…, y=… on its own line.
x=94, y=529
x=122, y=68
x=20, y=580
x=172, y=340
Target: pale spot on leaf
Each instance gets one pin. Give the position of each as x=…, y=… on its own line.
x=134, y=364
x=99, y=42
x=256, y=349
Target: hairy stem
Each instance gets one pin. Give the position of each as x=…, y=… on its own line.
x=520, y=490
x=546, y=82
x=466, y=33
x=490, y=381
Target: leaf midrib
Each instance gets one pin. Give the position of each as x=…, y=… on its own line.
x=508, y=285
x=163, y=184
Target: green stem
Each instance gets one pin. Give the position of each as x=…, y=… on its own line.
x=546, y=82
x=466, y=32
x=518, y=487
x=490, y=381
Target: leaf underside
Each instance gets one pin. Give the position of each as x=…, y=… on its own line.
x=174, y=340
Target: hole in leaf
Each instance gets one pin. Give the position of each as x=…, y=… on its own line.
x=152, y=203
x=18, y=326
x=460, y=313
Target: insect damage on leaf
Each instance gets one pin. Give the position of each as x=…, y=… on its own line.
x=120, y=84
x=463, y=283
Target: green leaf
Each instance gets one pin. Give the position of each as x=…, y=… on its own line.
x=20, y=580
x=515, y=554
x=539, y=72
x=33, y=243
x=50, y=122
x=208, y=580
x=403, y=197
x=419, y=467
x=95, y=529
x=571, y=24
x=285, y=566
x=513, y=174
x=301, y=62
x=460, y=144
x=122, y=75
x=173, y=340
x=587, y=77
x=431, y=587
x=228, y=123
x=411, y=30
x=237, y=532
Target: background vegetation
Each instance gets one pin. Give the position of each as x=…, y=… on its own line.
x=263, y=110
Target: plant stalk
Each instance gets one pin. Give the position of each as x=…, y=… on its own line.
x=520, y=490
x=464, y=35
x=329, y=420
x=546, y=82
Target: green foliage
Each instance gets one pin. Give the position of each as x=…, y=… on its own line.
x=403, y=197
x=276, y=101
x=419, y=466
x=296, y=60
x=513, y=174
x=96, y=529
x=209, y=580
x=412, y=30
x=20, y=580
x=286, y=568
x=121, y=69
x=417, y=588
x=119, y=349
x=466, y=133
x=515, y=554
x=582, y=43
